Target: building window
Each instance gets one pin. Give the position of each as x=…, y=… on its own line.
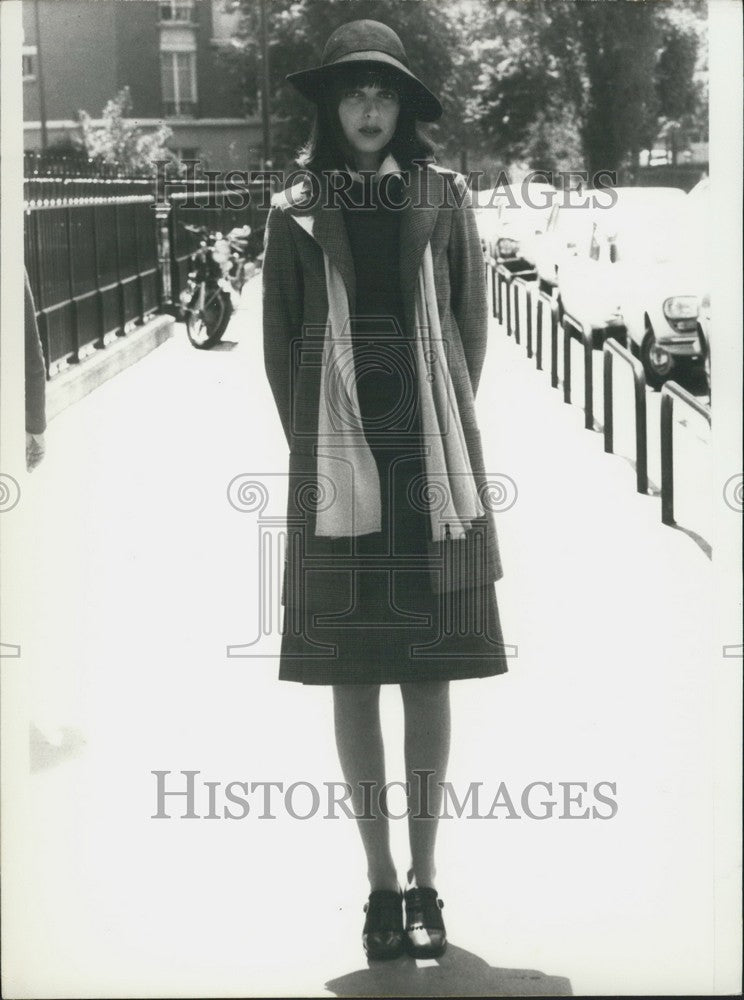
x=185, y=152
x=225, y=21
x=176, y=10
x=28, y=61
x=178, y=78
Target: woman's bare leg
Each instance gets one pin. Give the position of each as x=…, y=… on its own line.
x=356, y=710
x=427, y=741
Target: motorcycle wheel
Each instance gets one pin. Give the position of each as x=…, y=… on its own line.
x=205, y=327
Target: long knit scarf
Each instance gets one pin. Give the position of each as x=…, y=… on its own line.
x=346, y=465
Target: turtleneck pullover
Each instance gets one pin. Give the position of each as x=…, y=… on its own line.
x=384, y=361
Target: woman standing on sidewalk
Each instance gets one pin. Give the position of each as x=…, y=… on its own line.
x=374, y=338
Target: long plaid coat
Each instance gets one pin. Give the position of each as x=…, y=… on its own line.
x=295, y=312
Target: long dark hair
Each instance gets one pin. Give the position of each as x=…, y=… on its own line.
x=324, y=149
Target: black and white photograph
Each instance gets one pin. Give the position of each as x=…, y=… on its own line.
x=370, y=498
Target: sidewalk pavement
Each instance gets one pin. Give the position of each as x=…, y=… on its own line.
x=140, y=573
x=78, y=380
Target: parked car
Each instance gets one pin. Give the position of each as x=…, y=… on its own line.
x=567, y=232
x=509, y=218
x=486, y=204
x=641, y=270
x=705, y=330
x=698, y=201
x=661, y=303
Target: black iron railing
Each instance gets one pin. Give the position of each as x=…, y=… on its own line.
x=491, y=267
x=502, y=285
x=91, y=254
x=609, y=339
x=502, y=280
x=525, y=280
x=103, y=255
x=507, y=280
x=574, y=330
x=670, y=392
x=552, y=304
x=613, y=350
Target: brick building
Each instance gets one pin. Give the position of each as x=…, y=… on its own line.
x=78, y=54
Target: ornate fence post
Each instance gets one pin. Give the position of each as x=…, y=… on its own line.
x=162, y=215
x=539, y=330
x=554, y=343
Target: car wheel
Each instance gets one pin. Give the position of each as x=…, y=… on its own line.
x=658, y=363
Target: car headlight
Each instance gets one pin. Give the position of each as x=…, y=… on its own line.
x=682, y=312
x=507, y=247
x=681, y=307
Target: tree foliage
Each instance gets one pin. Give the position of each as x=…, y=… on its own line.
x=554, y=84
x=600, y=78
x=120, y=140
x=619, y=44
x=681, y=76
x=528, y=84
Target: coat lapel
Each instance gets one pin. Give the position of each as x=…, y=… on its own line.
x=330, y=232
x=417, y=224
x=325, y=223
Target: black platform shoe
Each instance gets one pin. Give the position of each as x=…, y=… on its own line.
x=383, y=935
x=425, y=933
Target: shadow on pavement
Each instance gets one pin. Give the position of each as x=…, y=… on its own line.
x=697, y=539
x=456, y=973
x=47, y=749
x=224, y=345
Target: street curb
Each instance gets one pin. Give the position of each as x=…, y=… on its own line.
x=78, y=380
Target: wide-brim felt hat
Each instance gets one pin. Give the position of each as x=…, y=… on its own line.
x=366, y=41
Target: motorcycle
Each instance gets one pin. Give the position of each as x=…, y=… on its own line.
x=219, y=268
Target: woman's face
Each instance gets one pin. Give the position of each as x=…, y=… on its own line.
x=368, y=114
